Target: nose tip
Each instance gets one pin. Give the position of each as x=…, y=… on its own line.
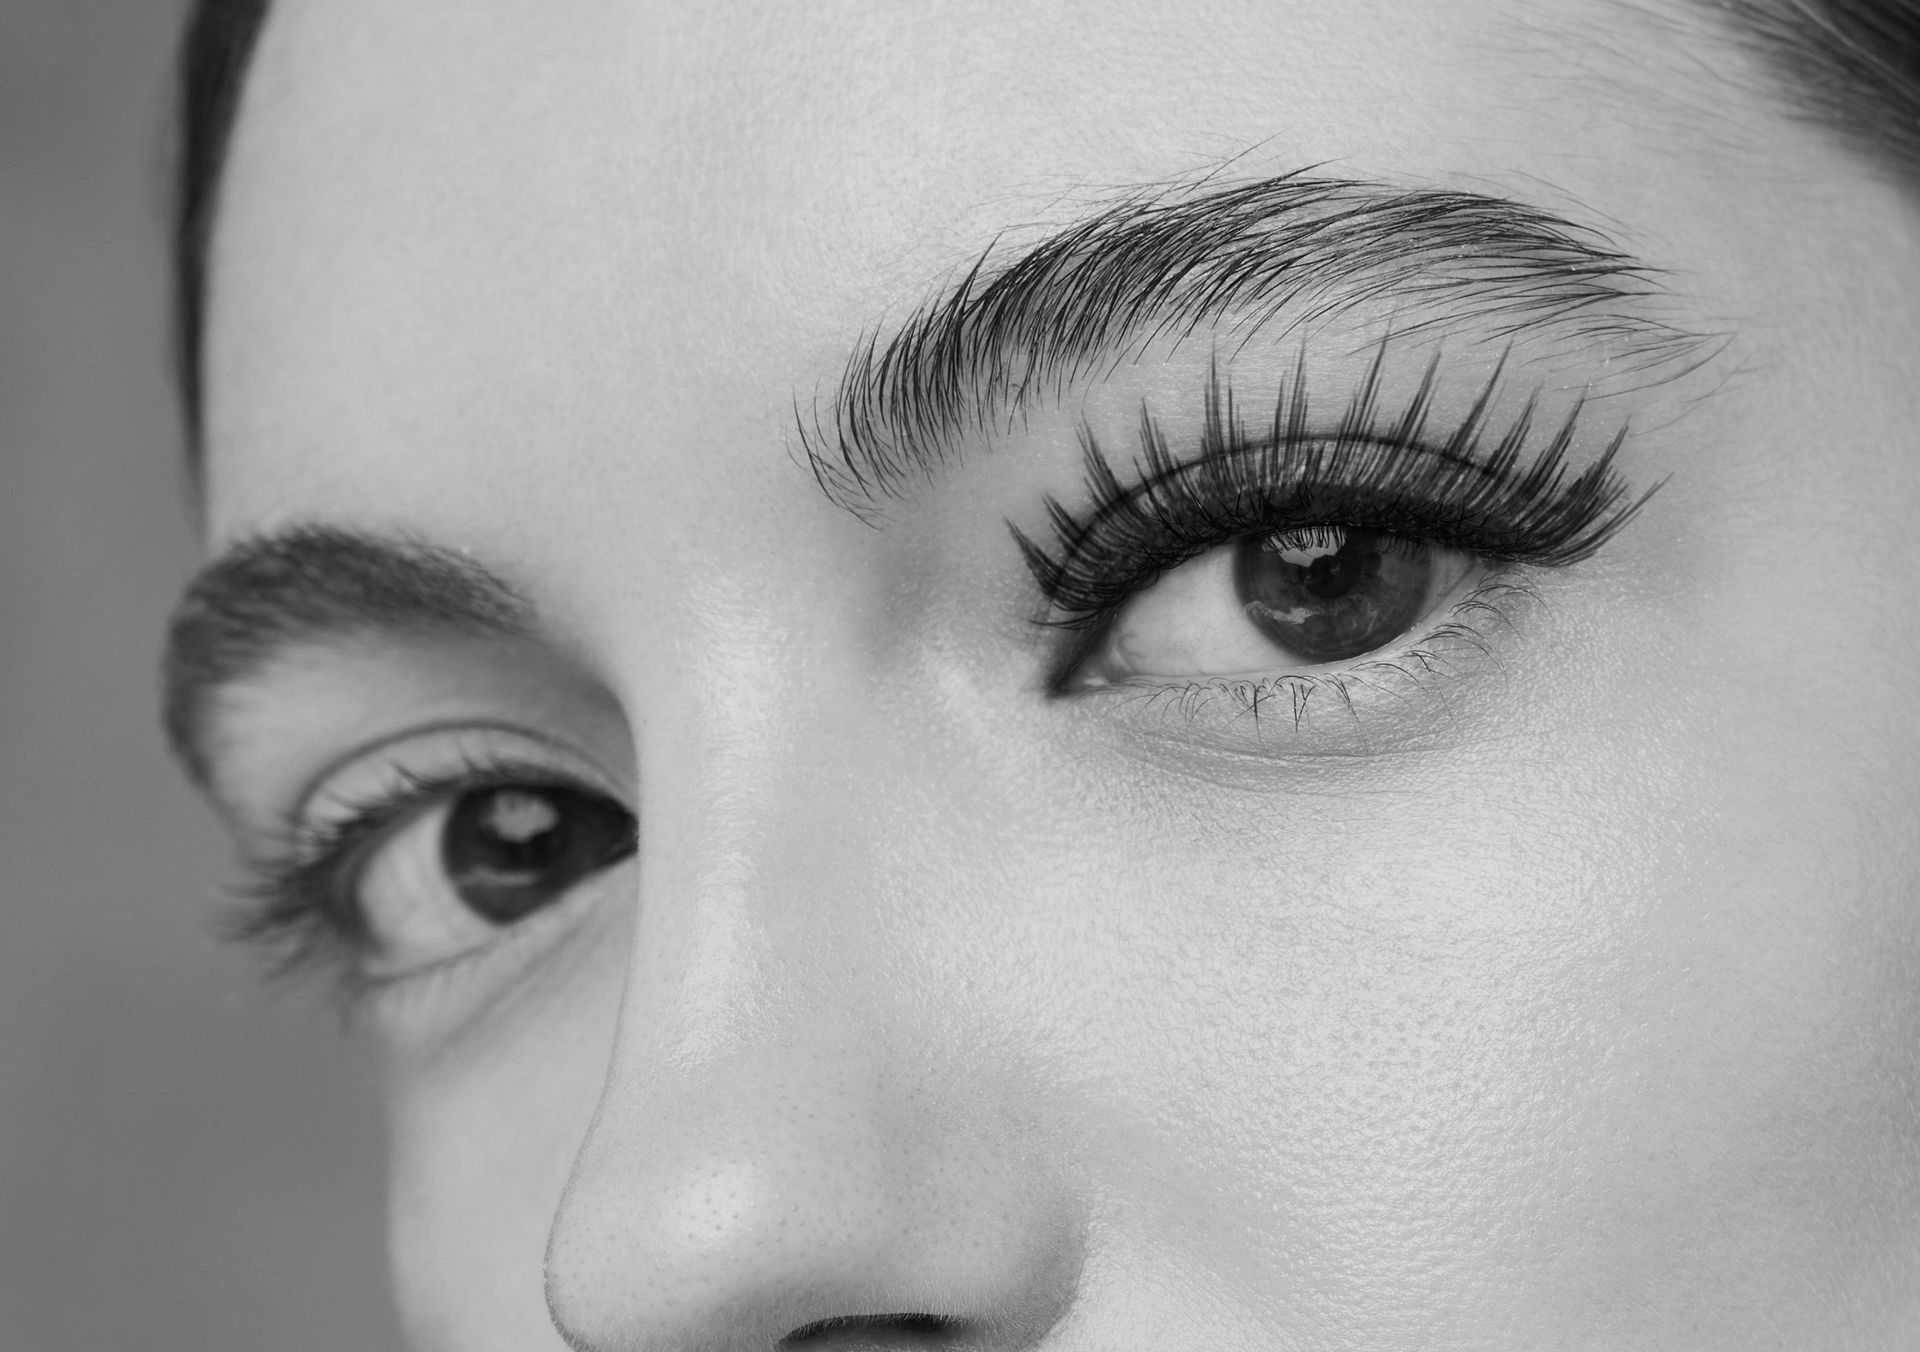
x=806, y=1215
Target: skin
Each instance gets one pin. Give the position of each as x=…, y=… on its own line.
x=1571, y=1000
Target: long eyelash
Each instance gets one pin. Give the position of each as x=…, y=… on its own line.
x=1465, y=490
x=295, y=904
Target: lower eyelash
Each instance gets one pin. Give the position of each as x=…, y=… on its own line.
x=1293, y=694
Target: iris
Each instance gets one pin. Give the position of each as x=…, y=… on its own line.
x=1327, y=593
x=510, y=850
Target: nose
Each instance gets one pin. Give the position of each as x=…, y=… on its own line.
x=803, y=1202
x=803, y=1140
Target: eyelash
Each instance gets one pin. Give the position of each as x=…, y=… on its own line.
x=296, y=904
x=1368, y=473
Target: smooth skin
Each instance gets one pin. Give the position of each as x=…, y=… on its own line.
x=1570, y=1001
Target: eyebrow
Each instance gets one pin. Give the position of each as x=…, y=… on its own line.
x=308, y=585
x=1294, y=251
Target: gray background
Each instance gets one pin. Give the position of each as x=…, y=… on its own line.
x=187, y=1160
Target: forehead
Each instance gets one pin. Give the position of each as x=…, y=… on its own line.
x=452, y=226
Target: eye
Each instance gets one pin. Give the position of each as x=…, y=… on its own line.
x=449, y=878
x=1272, y=602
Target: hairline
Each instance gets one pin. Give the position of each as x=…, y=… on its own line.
x=1819, y=52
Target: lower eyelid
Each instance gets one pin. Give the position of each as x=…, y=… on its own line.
x=417, y=1007
x=1185, y=626
x=1462, y=638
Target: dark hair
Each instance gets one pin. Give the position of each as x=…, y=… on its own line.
x=215, y=53
x=1851, y=66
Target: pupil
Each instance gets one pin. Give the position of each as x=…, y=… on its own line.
x=1332, y=576
x=1329, y=593
x=512, y=850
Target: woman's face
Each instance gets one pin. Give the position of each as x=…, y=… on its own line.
x=1353, y=891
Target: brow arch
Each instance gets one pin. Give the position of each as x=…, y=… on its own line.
x=1161, y=264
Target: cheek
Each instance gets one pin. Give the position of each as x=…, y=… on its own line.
x=1356, y=1037
x=485, y=1128
x=1608, y=998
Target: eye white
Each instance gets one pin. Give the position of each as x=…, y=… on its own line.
x=413, y=915
x=1188, y=623
x=1192, y=624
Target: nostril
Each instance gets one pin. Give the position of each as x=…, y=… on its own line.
x=875, y=1331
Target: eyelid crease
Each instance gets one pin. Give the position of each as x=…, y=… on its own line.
x=448, y=729
x=268, y=595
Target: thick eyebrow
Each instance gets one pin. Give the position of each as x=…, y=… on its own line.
x=1294, y=251
x=273, y=594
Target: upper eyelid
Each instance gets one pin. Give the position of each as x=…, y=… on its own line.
x=559, y=762
x=1554, y=516
x=306, y=586
x=1147, y=487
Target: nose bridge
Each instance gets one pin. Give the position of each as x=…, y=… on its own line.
x=768, y=817
x=770, y=891
x=785, y=1137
